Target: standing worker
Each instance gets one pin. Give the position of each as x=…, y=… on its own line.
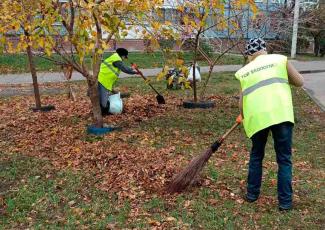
x=109, y=72
x=266, y=105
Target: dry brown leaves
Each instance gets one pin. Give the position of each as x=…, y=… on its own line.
x=60, y=136
x=124, y=162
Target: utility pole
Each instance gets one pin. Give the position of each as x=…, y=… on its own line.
x=295, y=30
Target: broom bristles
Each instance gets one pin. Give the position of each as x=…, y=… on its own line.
x=186, y=177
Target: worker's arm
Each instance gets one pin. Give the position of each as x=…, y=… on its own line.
x=125, y=69
x=294, y=77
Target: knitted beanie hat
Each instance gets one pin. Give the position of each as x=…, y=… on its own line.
x=254, y=45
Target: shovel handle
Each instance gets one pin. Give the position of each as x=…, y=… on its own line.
x=141, y=74
x=135, y=66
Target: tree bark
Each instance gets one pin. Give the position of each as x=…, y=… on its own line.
x=94, y=98
x=194, y=66
x=295, y=30
x=34, y=77
x=206, y=82
x=316, y=45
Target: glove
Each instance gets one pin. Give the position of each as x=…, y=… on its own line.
x=239, y=119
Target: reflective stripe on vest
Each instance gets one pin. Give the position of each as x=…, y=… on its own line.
x=111, y=68
x=264, y=83
x=266, y=93
x=108, y=73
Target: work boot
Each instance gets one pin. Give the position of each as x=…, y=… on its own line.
x=249, y=200
x=281, y=209
x=105, y=111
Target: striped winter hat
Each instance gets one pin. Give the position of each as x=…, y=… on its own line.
x=254, y=45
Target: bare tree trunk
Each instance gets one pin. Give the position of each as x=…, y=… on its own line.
x=94, y=98
x=316, y=45
x=295, y=30
x=194, y=64
x=67, y=70
x=34, y=77
x=206, y=82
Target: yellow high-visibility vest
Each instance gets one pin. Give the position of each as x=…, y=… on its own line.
x=108, y=73
x=266, y=93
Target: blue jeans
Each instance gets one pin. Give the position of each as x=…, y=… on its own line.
x=282, y=136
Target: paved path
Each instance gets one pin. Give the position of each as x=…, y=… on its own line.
x=315, y=87
x=314, y=82
x=42, y=77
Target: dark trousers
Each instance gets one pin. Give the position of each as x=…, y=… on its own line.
x=103, y=95
x=282, y=136
x=103, y=98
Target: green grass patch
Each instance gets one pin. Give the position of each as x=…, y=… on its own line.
x=309, y=57
x=35, y=194
x=18, y=63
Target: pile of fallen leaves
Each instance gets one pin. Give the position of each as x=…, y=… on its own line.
x=60, y=136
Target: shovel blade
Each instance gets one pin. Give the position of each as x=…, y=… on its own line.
x=160, y=99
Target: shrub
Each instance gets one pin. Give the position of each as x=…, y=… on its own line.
x=302, y=44
x=322, y=46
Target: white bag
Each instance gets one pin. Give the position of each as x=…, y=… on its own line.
x=197, y=74
x=115, y=104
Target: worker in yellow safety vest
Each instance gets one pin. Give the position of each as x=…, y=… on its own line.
x=266, y=105
x=108, y=75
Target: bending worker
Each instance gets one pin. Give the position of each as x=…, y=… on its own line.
x=266, y=105
x=109, y=72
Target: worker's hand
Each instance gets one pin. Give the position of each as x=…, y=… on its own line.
x=134, y=66
x=239, y=119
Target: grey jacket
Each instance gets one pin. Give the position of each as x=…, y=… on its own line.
x=125, y=69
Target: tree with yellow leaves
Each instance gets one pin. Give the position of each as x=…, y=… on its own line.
x=89, y=28
x=75, y=29
x=198, y=18
x=22, y=21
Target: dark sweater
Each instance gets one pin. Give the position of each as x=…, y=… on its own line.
x=125, y=69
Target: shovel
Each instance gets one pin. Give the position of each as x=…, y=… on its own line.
x=159, y=97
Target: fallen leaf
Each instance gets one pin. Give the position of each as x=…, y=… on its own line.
x=170, y=219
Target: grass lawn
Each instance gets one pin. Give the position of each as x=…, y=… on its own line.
x=18, y=63
x=53, y=175
x=309, y=57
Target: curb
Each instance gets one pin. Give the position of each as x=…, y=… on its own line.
x=312, y=71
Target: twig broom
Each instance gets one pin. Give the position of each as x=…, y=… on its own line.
x=186, y=177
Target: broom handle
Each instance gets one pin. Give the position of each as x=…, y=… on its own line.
x=228, y=132
x=238, y=121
